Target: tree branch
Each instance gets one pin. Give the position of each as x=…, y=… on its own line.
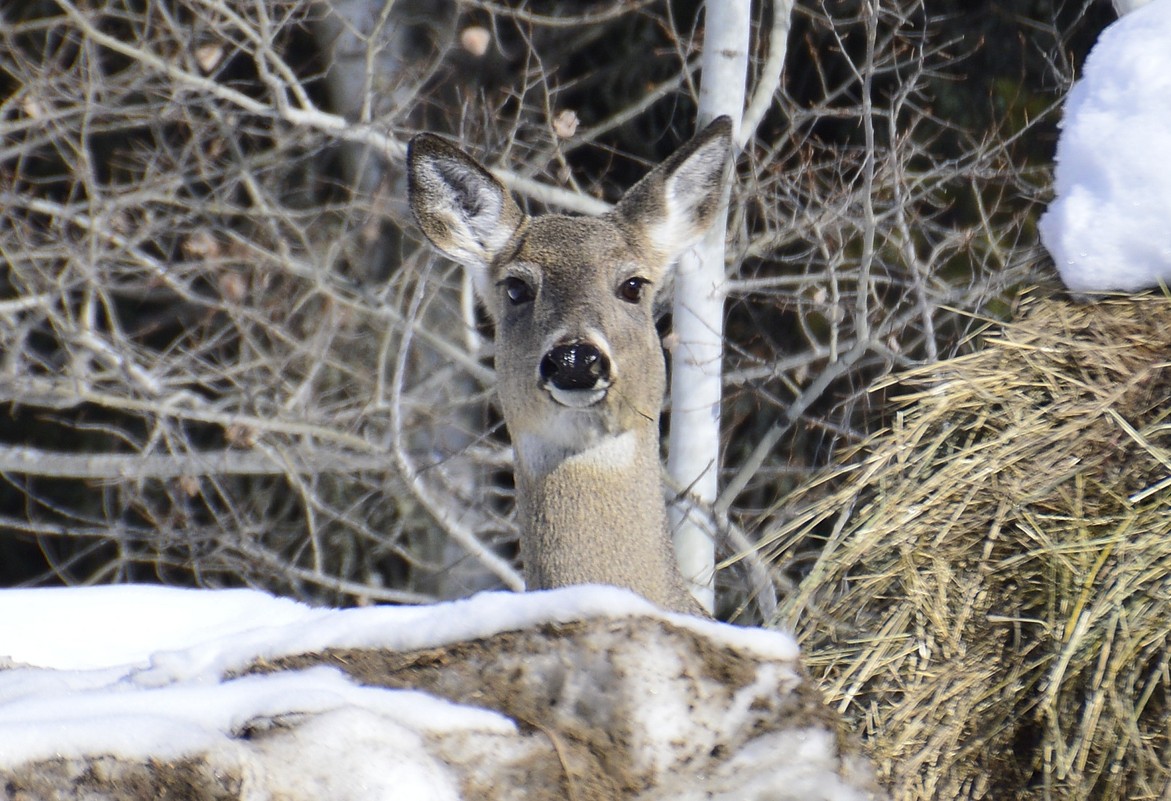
x=227, y=462
x=770, y=73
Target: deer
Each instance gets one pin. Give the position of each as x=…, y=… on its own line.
x=580, y=367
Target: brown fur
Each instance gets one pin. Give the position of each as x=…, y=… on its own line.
x=589, y=493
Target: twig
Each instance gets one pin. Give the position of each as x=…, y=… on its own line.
x=135, y=466
x=770, y=73
x=439, y=511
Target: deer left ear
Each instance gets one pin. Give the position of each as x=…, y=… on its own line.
x=675, y=203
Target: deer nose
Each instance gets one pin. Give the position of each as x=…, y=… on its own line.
x=576, y=365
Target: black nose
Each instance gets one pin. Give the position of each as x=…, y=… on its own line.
x=578, y=365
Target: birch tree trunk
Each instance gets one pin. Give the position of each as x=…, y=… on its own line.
x=698, y=316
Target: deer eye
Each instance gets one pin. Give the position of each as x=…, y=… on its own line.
x=630, y=290
x=517, y=290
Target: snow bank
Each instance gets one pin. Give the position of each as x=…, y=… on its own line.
x=104, y=689
x=1109, y=227
x=125, y=624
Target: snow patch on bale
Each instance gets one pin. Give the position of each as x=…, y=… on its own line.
x=1108, y=229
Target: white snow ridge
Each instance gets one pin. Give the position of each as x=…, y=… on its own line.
x=1109, y=228
x=129, y=693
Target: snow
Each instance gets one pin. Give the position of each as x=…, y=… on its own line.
x=1108, y=228
x=142, y=671
x=1127, y=6
x=57, y=716
x=327, y=761
x=124, y=624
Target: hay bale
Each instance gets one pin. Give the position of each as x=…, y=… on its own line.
x=990, y=595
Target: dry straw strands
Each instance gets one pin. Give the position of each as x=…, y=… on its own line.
x=986, y=590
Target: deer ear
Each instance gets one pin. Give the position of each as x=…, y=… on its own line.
x=672, y=206
x=465, y=212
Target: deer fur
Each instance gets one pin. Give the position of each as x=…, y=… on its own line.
x=580, y=368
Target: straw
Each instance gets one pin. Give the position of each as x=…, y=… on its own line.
x=986, y=588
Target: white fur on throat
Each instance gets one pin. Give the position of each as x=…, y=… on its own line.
x=612, y=451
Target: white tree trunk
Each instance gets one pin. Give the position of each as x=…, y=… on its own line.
x=694, y=444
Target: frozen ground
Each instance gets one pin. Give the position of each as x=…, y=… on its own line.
x=1109, y=227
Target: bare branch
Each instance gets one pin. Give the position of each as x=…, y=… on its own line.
x=769, y=79
x=111, y=466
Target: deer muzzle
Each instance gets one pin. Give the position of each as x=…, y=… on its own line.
x=575, y=374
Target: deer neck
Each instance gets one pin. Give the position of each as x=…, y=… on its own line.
x=597, y=516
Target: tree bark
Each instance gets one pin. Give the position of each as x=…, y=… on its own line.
x=698, y=317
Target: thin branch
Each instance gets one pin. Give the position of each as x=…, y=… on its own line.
x=770, y=73
x=440, y=511
x=617, y=11
x=136, y=466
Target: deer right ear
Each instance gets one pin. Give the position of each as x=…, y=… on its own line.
x=465, y=212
